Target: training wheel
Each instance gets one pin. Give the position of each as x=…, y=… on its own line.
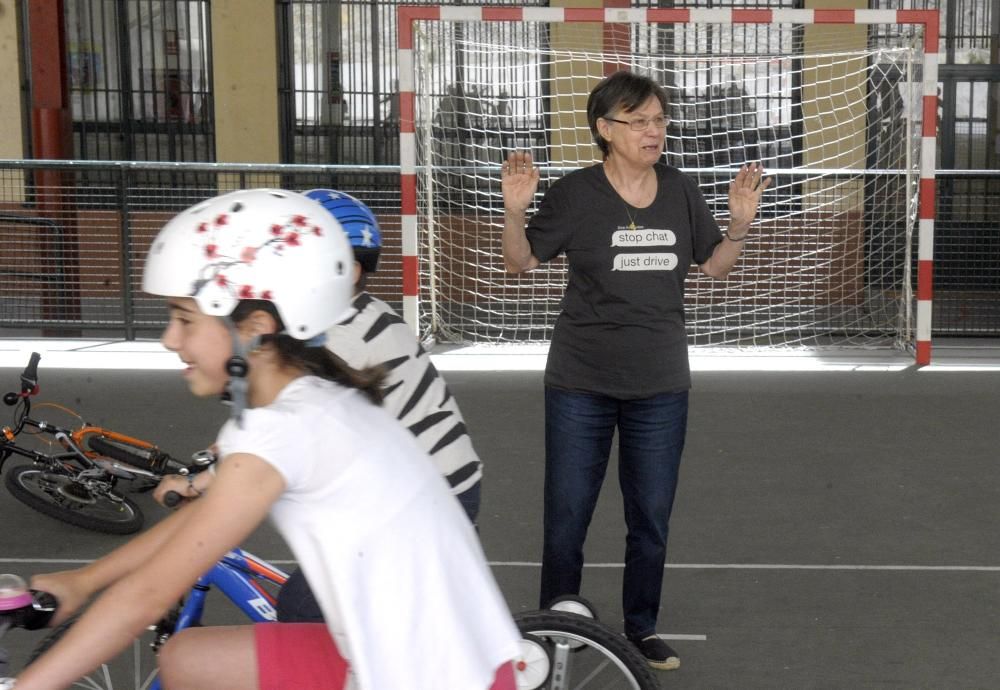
x=532, y=665
x=572, y=603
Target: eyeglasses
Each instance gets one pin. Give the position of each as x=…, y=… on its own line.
x=640, y=125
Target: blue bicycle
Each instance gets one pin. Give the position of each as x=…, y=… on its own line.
x=564, y=648
x=247, y=581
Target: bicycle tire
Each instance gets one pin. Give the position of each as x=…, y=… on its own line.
x=587, y=652
x=127, y=670
x=151, y=459
x=47, y=493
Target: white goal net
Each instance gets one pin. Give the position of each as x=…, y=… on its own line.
x=833, y=112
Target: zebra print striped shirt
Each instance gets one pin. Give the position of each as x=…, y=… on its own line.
x=416, y=394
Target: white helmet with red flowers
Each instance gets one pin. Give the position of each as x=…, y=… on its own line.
x=267, y=244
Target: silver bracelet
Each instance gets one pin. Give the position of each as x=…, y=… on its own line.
x=7, y=683
x=736, y=239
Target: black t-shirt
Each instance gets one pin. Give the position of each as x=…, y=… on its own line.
x=621, y=329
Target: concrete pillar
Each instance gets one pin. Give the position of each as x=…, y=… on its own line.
x=835, y=118
x=11, y=114
x=245, y=78
x=835, y=94
x=572, y=143
x=11, y=105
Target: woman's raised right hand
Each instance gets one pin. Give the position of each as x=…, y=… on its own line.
x=518, y=181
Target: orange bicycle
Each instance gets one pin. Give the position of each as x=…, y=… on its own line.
x=82, y=482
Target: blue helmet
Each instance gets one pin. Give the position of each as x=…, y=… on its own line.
x=358, y=222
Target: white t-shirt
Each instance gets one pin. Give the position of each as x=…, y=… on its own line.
x=415, y=392
x=395, y=565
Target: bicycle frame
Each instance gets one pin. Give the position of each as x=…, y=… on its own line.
x=40, y=457
x=72, y=440
x=69, y=439
x=238, y=576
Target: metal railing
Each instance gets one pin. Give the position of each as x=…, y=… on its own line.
x=966, y=247
x=74, y=234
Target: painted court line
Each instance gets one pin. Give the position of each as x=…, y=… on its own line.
x=680, y=566
x=668, y=566
x=282, y=562
x=775, y=566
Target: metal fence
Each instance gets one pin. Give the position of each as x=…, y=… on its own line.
x=966, y=247
x=74, y=235
x=140, y=82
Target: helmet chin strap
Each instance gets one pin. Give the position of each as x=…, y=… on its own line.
x=238, y=367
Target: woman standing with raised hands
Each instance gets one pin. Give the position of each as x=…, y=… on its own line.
x=630, y=228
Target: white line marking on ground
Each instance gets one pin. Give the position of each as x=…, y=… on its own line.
x=782, y=566
x=774, y=566
x=668, y=566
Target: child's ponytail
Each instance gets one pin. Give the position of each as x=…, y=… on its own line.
x=317, y=360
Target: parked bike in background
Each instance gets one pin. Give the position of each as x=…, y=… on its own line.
x=83, y=474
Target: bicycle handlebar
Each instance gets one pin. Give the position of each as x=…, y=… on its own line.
x=35, y=614
x=29, y=383
x=201, y=461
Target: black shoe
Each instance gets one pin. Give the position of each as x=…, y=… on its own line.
x=658, y=653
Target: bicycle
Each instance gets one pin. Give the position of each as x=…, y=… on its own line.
x=79, y=484
x=560, y=649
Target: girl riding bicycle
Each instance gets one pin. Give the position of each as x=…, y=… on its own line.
x=253, y=279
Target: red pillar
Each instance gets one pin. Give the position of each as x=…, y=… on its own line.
x=51, y=135
x=52, y=138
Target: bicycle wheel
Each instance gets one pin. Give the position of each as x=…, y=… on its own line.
x=583, y=652
x=60, y=497
x=134, y=669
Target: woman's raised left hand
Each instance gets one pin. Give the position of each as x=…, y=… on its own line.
x=744, y=194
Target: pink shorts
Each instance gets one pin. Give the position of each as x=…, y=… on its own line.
x=298, y=655
x=303, y=656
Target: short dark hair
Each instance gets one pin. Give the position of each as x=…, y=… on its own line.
x=367, y=257
x=625, y=90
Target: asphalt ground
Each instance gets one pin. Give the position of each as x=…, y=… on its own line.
x=835, y=526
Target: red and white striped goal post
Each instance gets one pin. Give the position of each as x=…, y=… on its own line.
x=407, y=15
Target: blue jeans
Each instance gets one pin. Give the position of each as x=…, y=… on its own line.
x=579, y=428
